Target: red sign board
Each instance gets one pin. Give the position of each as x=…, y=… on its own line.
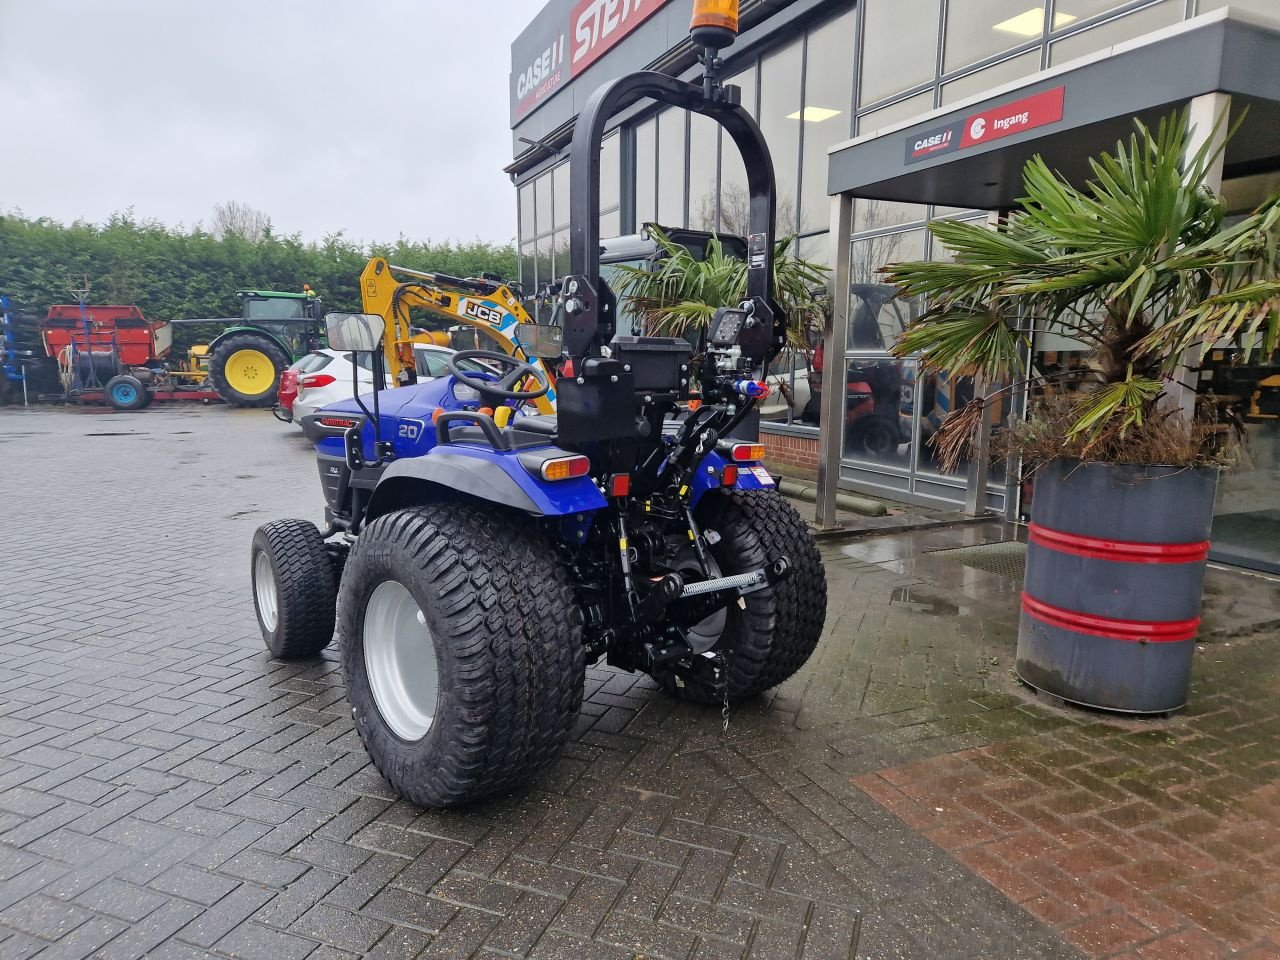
x=595, y=27
x=1010, y=118
x=1037, y=110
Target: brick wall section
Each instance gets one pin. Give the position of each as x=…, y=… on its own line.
x=790, y=456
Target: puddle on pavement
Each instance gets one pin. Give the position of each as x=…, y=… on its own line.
x=929, y=604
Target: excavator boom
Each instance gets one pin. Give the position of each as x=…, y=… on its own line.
x=491, y=307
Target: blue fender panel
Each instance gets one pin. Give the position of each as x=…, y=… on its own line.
x=747, y=479
x=497, y=477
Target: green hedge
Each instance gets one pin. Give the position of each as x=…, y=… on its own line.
x=173, y=274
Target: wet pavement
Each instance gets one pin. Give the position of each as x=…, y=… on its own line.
x=168, y=790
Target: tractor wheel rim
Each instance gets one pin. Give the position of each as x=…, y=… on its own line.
x=250, y=372
x=400, y=658
x=264, y=589
x=706, y=633
x=124, y=393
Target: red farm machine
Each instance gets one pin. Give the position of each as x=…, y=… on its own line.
x=112, y=354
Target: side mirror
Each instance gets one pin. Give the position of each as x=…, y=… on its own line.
x=354, y=331
x=541, y=340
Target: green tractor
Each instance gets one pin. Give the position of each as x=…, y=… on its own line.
x=274, y=329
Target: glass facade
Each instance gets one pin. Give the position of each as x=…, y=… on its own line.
x=920, y=54
x=544, y=216
x=852, y=70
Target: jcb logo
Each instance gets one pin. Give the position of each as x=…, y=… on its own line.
x=483, y=312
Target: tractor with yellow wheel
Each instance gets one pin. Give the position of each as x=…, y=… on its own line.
x=245, y=361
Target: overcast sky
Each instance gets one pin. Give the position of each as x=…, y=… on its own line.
x=374, y=117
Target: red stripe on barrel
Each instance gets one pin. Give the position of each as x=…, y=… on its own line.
x=1169, y=631
x=1119, y=551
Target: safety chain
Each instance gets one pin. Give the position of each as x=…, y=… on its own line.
x=722, y=671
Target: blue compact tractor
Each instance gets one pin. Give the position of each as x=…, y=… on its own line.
x=479, y=554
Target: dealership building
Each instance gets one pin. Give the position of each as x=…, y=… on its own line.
x=881, y=116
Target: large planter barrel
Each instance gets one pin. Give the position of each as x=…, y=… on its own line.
x=1115, y=566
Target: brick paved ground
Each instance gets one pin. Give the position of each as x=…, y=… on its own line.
x=168, y=790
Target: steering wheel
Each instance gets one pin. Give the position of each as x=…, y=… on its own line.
x=516, y=370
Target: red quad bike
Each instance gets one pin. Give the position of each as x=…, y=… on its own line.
x=479, y=555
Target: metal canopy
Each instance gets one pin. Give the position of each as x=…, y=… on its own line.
x=1099, y=99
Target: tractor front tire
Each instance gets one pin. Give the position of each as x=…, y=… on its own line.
x=245, y=370
x=462, y=651
x=294, y=588
x=772, y=634
x=126, y=392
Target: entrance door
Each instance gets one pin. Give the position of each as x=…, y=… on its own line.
x=1246, y=523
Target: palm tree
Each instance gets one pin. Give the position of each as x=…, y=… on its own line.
x=679, y=298
x=1136, y=266
x=1139, y=267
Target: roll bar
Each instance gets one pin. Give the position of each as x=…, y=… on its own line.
x=589, y=317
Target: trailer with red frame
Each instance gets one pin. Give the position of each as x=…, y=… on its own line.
x=112, y=354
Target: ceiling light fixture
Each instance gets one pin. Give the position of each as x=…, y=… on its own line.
x=1031, y=23
x=814, y=114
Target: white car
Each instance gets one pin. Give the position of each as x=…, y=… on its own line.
x=325, y=376
x=790, y=369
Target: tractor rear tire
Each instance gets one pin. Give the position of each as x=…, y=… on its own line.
x=126, y=392
x=245, y=369
x=294, y=588
x=776, y=632
x=462, y=650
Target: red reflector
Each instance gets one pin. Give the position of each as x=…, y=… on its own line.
x=567, y=369
x=346, y=423
x=746, y=451
x=317, y=380
x=620, y=485
x=730, y=475
x=565, y=468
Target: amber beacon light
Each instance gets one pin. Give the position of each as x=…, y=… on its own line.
x=715, y=23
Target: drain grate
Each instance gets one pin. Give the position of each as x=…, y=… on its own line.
x=1008, y=558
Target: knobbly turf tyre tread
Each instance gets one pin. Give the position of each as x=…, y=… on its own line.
x=306, y=588
x=509, y=647
x=777, y=632
x=245, y=341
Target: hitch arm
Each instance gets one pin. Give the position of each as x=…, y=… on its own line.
x=672, y=587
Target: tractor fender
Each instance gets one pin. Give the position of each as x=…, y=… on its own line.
x=479, y=473
x=707, y=478
x=256, y=331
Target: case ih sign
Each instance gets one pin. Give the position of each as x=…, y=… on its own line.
x=552, y=52
x=1005, y=120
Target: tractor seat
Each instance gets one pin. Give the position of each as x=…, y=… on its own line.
x=543, y=423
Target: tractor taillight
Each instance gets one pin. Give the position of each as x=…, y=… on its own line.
x=317, y=380
x=344, y=423
x=565, y=468
x=742, y=452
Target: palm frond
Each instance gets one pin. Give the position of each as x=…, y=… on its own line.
x=679, y=296
x=1134, y=263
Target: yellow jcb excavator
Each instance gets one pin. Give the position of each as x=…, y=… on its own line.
x=488, y=305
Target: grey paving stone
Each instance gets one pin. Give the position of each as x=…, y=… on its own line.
x=158, y=770
x=253, y=940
